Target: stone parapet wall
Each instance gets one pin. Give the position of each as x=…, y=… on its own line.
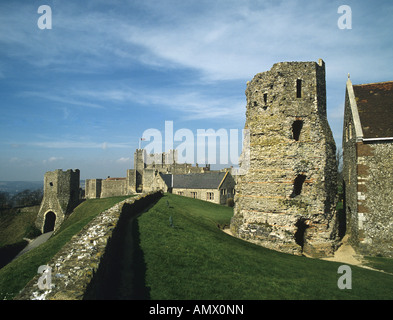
x=75, y=265
x=113, y=188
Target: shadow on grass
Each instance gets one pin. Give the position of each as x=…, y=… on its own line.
x=122, y=271
x=9, y=252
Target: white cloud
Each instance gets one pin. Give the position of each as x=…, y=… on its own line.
x=60, y=98
x=52, y=159
x=221, y=39
x=190, y=103
x=232, y=41
x=64, y=144
x=123, y=160
x=179, y=57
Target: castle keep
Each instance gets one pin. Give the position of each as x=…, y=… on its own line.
x=286, y=199
x=146, y=176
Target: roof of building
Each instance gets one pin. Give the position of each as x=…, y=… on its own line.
x=207, y=180
x=375, y=107
x=167, y=177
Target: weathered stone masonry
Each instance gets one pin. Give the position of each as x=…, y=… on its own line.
x=61, y=196
x=368, y=167
x=75, y=266
x=286, y=200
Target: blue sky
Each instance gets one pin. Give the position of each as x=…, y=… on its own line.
x=80, y=95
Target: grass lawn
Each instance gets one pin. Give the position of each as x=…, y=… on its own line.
x=15, y=275
x=385, y=264
x=196, y=260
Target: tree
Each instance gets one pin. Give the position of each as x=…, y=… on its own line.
x=4, y=200
x=27, y=198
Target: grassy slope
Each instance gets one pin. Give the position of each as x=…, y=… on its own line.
x=196, y=260
x=15, y=275
x=15, y=225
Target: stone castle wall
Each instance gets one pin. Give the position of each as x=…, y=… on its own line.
x=368, y=185
x=114, y=187
x=286, y=199
x=369, y=198
x=80, y=261
x=104, y=188
x=93, y=188
x=350, y=174
x=144, y=177
x=375, y=198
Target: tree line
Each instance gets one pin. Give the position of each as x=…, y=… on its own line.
x=24, y=198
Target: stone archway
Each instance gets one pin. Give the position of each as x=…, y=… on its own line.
x=49, y=223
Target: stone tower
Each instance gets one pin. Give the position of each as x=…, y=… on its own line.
x=286, y=199
x=61, y=196
x=139, y=165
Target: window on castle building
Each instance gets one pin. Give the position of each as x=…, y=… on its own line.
x=193, y=195
x=265, y=101
x=210, y=196
x=51, y=184
x=350, y=131
x=298, y=88
x=298, y=185
x=297, y=126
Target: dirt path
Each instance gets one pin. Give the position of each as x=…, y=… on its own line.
x=346, y=254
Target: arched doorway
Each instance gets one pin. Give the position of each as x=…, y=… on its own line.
x=50, y=219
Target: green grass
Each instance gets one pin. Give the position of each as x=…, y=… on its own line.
x=16, y=224
x=15, y=275
x=384, y=264
x=196, y=260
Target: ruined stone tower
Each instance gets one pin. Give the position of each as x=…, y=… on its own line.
x=286, y=199
x=61, y=196
x=139, y=164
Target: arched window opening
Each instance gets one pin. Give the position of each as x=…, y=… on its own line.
x=298, y=185
x=298, y=88
x=296, y=129
x=301, y=225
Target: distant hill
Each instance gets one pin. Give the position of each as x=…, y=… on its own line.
x=14, y=187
